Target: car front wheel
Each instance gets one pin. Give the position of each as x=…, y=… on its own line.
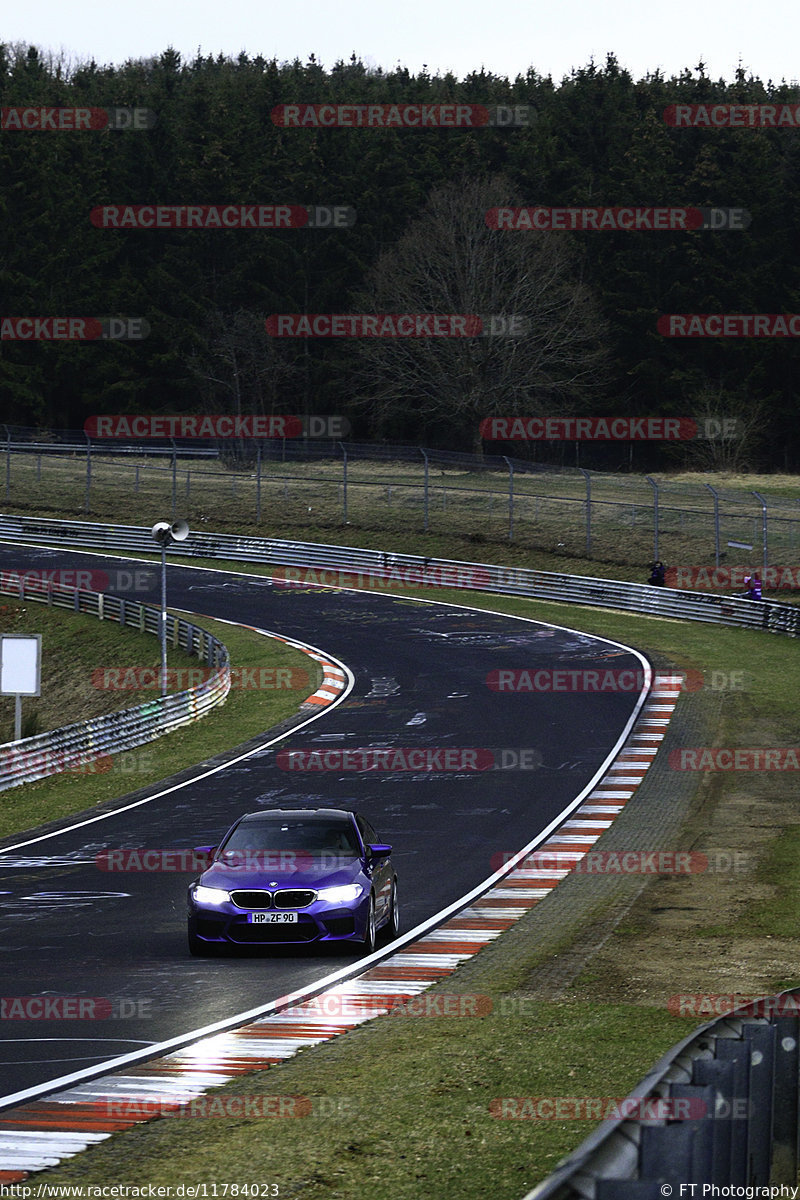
x=393, y=924
x=368, y=944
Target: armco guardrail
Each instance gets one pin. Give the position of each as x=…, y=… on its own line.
x=721, y=1108
x=407, y=572
x=76, y=747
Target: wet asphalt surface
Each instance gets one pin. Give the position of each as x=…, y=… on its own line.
x=70, y=929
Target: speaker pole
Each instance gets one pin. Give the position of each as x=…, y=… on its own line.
x=164, y=534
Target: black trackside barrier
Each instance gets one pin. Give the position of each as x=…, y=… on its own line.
x=743, y=1072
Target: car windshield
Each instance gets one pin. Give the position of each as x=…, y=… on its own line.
x=313, y=837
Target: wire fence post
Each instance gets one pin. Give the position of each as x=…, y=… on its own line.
x=764, y=535
x=715, y=494
x=425, y=456
x=654, y=486
x=174, y=476
x=588, y=479
x=88, y=473
x=8, y=461
x=258, y=483
x=344, y=482
x=510, y=498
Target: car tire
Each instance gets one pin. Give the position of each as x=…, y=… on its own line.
x=392, y=927
x=370, y=935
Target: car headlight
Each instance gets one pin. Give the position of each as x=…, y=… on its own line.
x=209, y=895
x=340, y=895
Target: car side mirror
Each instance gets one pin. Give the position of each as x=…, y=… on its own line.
x=378, y=850
x=206, y=852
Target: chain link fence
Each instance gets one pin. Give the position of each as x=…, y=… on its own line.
x=628, y=519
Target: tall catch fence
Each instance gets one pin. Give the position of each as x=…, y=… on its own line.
x=619, y=518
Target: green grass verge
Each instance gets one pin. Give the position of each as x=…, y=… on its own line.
x=387, y=499
x=403, y=1107
x=246, y=713
x=74, y=647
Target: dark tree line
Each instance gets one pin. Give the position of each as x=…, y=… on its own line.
x=599, y=138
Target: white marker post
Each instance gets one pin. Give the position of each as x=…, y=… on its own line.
x=20, y=671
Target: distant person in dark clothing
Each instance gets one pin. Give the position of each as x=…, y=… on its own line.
x=753, y=585
x=658, y=574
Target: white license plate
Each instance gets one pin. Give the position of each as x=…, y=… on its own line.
x=272, y=918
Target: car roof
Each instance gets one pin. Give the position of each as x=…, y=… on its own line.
x=332, y=814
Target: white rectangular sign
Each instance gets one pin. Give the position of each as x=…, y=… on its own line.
x=20, y=664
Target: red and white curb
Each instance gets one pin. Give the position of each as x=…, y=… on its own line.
x=41, y=1134
x=334, y=679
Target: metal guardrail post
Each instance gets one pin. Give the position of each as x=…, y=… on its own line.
x=87, y=499
x=764, y=534
x=654, y=486
x=344, y=481
x=425, y=486
x=588, y=479
x=510, y=466
x=786, y=1128
x=715, y=494
x=720, y=1077
x=734, y=1051
x=258, y=483
x=759, y=1118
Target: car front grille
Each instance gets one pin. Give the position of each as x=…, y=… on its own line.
x=294, y=898
x=253, y=899
x=259, y=898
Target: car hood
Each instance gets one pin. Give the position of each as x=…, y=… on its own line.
x=233, y=879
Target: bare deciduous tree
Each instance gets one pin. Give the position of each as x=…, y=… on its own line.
x=238, y=367
x=729, y=424
x=449, y=261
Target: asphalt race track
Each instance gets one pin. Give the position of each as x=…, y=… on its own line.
x=68, y=928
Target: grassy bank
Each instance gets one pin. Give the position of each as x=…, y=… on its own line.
x=86, y=644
